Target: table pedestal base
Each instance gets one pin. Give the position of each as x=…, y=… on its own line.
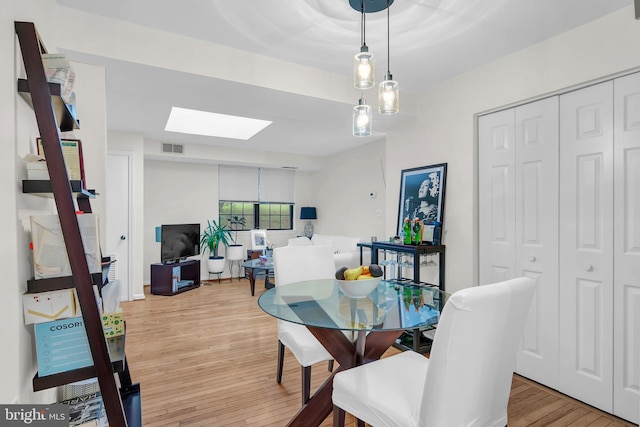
x=367, y=348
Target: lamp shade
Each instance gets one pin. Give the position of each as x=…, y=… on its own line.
x=388, y=96
x=364, y=69
x=308, y=213
x=362, y=119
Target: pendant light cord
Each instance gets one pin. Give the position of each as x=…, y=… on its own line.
x=363, y=25
x=388, y=48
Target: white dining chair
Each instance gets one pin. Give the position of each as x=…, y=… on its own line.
x=295, y=264
x=467, y=379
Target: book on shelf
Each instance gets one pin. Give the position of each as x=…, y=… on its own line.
x=87, y=411
x=175, y=278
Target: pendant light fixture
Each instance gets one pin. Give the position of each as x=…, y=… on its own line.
x=362, y=118
x=389, y=89
x=364, y=70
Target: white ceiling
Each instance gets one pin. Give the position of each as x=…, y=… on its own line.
x=431, y=41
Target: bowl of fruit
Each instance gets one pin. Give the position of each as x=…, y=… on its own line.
x=360, y=281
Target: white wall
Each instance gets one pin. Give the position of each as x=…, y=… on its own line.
x=176, y=193
x=91, y=104
x=341, y=193
x=20, y=131
x=16, y=365
x=17, y=362
x=445, y=128
x=201, y=153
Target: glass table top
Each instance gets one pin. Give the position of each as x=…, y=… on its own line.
x=321, y=303
x=259, y=264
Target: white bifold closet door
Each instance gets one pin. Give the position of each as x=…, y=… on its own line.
x=586, y=245
x=518, y=178
x=559, y=201
x=496, y=180
x=600, y=246
x=626, y=248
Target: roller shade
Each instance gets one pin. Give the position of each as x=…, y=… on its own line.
x=255, y=184
x=238, y=183
x=276, y=185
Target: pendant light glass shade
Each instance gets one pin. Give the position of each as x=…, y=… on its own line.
x=364, y=69
x=389, y=89
x=362, y=119
x=388, y=96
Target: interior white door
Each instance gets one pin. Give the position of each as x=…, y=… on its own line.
x=496, y=158
x=118, y=207
x=536, y=234
x=626, y=293
x=586, y=245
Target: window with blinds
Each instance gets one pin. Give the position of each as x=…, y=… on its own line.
x=262, y=197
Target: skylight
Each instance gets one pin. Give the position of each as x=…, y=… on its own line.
x=195, y=122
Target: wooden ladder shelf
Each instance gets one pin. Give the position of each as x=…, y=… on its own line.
x=40, y=98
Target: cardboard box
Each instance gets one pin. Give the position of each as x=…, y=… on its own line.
x=49, y=251
x=61, y=346
x=113, y=324
x=37, y=170
x=47, y=306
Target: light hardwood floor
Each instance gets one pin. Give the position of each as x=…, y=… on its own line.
x=207, y=357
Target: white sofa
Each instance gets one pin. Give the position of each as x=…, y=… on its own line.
x=346, y=252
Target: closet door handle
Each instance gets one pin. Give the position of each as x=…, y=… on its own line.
x=588, y=267
x=532, y=258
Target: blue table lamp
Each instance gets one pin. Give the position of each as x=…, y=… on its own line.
x=308, y=213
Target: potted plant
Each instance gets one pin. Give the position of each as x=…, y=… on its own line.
x=234, y=222
x=210, y=239
x=235, y=251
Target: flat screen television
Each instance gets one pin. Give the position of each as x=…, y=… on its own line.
x=179, y=241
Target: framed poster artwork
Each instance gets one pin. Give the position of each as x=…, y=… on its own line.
x=422, y=194
x=72, y=153
x=258, y=240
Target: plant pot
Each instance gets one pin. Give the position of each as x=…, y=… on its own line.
x=234, y=252
x=215, y=264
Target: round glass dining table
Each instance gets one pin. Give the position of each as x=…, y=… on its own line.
x=376, y=321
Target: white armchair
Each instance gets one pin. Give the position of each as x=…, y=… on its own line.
x=467, y=379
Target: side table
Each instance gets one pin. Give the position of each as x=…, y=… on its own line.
x=253, y=266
